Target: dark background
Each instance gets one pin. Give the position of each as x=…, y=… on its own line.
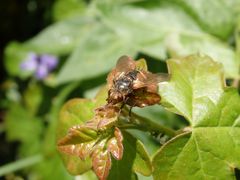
x=20, y=20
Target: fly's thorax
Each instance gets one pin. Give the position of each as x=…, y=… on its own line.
x=124, y=83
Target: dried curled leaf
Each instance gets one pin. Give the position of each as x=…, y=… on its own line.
x=96, y=139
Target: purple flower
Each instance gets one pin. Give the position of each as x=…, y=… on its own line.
x=30, y=63
x=40, y=65
x=41, y=72
x=49, y=61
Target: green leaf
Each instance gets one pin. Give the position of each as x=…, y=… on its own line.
x=135, y=158
x=74, y=112
x=208, y=17
x=64, y=9
x=28, y=128
x=177, y=35
x=22, y=126
x=196, y=84
x=100, y=48
x=211, y=148
x=90, y=175
x=14, y=54
x=118, y=32
x=101, y=96
x=33, y=97
x=182, y=44
x=51, y=169
x=158, y=114
x=237, y=38
x=59, y=39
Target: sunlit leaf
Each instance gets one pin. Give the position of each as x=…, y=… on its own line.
x=75, y=112
x=92, y=52
x=188, y=91
x=101, y=161
x=178, y=35
x=210, y=148
x=205, y=15
x=115, y=146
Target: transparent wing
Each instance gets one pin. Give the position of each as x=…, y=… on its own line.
x=156, y=78
x=125, y=64
x=142, y=98
x=150, y=81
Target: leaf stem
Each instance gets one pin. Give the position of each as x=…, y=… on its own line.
x=20, y=164
x=146, y=124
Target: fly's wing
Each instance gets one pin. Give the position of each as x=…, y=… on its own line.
x=124, y=65
x=141, y=98
x=150, y=81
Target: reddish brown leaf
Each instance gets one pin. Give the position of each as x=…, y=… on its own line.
x=77, y=135
x=115, y=145
x=69, y=149
x=118, y=135
x=82, y=150
x=101, y=161
x=107, y=111
x=107, y=123
x=108, y=115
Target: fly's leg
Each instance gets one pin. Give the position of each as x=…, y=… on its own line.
x=130, y=111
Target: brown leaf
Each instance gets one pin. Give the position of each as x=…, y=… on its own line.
x=86, y=149
x=115, y=145
x=108, y=116
x=107, y=123
x=101, y=161
x=107, y=111
x=77, y=135
x=118, y=135
x=82, y=150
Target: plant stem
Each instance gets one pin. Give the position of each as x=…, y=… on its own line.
x=20, y=164
x=145, y=124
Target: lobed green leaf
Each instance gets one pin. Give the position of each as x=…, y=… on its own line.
x=210, y=149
